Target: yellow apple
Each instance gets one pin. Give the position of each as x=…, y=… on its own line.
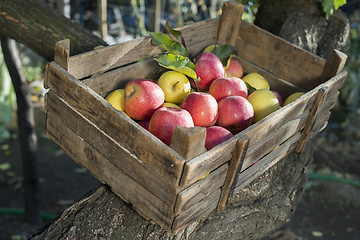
x=256, y=80
x=117, y=98
x=264, y=103
x=175, y=85
x=293, y=97
x=168, y=104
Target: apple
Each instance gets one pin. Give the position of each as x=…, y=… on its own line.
x=216, y=135
x=117, y=99
x=144, y=124
x=142, y=98
x=235, y=113
x=167, y=104
x=256, y=81
x=208, y=67
x=202, y=107
x=175, y=85
x=224, y=87
x=279, y=97
x=233, y=67
x=293, y=97
x=164, y=121
x=264, y=103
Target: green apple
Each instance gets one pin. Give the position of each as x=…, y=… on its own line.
x=264, y=102
x=176, y=86
x=256, y=81
x=293, y=97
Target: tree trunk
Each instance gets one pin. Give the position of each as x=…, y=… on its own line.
x=36, y=25
x=27, y=136
x=257, y=210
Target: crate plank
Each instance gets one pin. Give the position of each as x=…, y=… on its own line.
x=200, y=189
x=229, y=23
x=279, y=56
x=201, y=209
x=275, y=138
x=104, y=83
x=111, y=150
x=145, y=203
x=334, y=65
x=145, y=146
x=266, y=162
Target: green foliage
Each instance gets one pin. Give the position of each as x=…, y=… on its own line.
x=7, y=99
x=172, y=46
x=330, y=5
x=223, y=52
x=33, y=73
x=177, y=63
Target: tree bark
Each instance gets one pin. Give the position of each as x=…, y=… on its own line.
x=36, y=25
x=254, y=212
x=27, y=136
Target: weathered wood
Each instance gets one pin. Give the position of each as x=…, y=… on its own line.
x=229, y=23
x=310, y=121
x=188, y=142
x=266, y=162
x=235, y=166
x=62, y=53
x=145, y=146
x=279, y=57
x=200, y=189
x=201, y=209
x=111, y=149
x=144, y=202
x=334, y=65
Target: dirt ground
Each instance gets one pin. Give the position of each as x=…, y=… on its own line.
x=329, y=210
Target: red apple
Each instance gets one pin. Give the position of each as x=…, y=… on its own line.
x=224, y=87
x=234, y=68
x=142, y=98
x=208, y=68
x=279, y=97
x=164, y=121
x=144, y=124
x=216, y=135
x=235, y=113
x=202, y=107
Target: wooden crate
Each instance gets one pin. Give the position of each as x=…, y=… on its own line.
x=164, y=183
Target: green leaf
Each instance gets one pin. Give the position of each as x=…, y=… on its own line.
x=328, y=7
x=339, y=3
x=223, y=52
x=162, y=40
x=176, y=34
x=177, y=63
x=251, y=88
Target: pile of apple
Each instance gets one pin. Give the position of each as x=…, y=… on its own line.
x=217, y=100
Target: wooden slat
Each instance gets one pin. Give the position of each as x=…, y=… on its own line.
x=200, y=189
x=235, y=166
x=266, y=162
x=201, y=209
x=310, y=121
x=273, y=139
x=145, y=146
x=110, y=149
x=334, y=65
x=229, y=23
x=62, y=53
x=145, y=203
x=188, y=142
x=279, y=57
x=222, y=153
x=104, y=83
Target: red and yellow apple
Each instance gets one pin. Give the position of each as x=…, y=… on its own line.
x=225, y=87
x=279, y=97
x=164, y=121
x=207, y=68
x=235, y=113
x=233, y=67
x=142, y=98
x=202, y=107
x=175, y=85
x=216, y=135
